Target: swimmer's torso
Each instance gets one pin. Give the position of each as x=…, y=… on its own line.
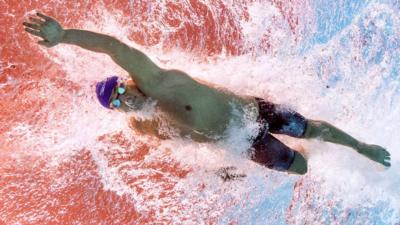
x=196, y=110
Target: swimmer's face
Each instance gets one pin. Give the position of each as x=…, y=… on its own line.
x=131, y=100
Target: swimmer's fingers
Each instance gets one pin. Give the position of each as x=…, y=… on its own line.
x=226, y=174
x=227, y=168
x=31, y=25
x=36, y=20
x=386, y=163
x=386, y=158
x=33, y=32
x=45, y=27
x=47, y=18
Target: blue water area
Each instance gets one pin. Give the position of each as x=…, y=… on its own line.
x=375, y=29
x=331, y=17
x=269, y=210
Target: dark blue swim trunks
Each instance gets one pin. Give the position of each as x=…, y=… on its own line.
x=266, y=149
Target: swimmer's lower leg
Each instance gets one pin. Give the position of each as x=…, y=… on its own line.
x=329, y=133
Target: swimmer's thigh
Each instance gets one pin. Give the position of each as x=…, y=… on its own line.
x=270, y=152
x=282, y=120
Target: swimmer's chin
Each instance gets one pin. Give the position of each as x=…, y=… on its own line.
x=123, y=109
x=129, y=107
x=145, y=112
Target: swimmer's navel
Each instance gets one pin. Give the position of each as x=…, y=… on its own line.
x=188, y=107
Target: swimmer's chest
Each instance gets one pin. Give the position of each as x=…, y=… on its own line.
x=196, y=107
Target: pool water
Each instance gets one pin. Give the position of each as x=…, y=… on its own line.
x=66, y=160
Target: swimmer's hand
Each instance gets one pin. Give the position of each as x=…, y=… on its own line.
x=227, y=174
x=47, y=28
x=375, y=153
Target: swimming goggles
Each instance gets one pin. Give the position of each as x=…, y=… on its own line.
x=116, y=103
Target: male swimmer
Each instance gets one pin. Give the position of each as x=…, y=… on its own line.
x=195, y=109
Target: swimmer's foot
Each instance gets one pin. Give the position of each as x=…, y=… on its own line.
x=375, y=153
x=227, y=174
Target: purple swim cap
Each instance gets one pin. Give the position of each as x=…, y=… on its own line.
x=104, y=90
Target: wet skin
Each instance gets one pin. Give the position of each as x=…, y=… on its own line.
x=197, y=109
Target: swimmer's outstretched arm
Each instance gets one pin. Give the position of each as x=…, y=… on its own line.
x=329, y=133
x=144, y=72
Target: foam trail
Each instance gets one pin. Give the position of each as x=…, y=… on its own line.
x=350, y=80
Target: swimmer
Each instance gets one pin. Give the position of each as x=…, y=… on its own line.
x=198, y=110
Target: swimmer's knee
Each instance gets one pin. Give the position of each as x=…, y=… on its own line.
x=314, y=129
x=299, y=165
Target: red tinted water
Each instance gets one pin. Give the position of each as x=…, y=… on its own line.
x=32, y=189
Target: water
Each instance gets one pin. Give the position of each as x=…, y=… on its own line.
x=64, y=159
